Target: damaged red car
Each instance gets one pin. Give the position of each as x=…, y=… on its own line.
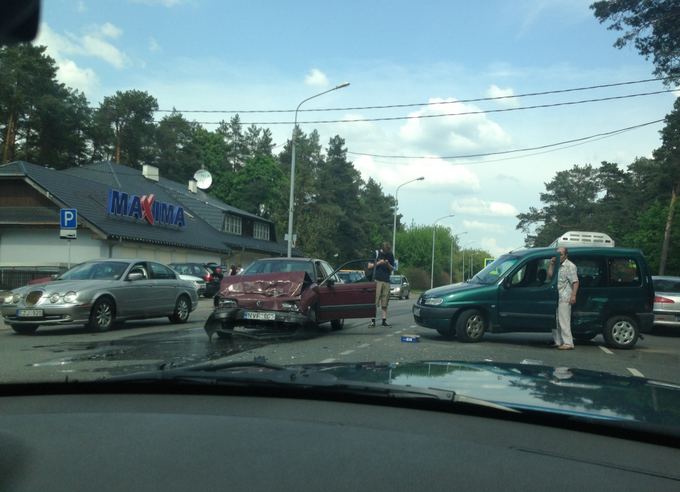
x=285, y=293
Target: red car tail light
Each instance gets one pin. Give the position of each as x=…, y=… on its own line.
x=663, y=300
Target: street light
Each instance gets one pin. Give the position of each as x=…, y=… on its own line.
x=455, y=236
x=434, y=229
x=291, y=202
x=463, y=272
x=396, y=205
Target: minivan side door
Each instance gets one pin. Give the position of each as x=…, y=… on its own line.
x=527, y=298
x=593, y=293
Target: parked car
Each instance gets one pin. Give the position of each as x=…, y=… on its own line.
x=399, y=286
x=201, y=270
x=666, y=301
x=351, y=276
x=513, y=294
x=285, y=293
x=198, y=283
x=99, y=294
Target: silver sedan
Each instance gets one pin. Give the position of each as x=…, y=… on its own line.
x=666, y=301
x=100, y=293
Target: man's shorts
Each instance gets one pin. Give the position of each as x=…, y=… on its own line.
x=382, y=293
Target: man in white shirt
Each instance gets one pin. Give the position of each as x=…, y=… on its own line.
x=567, y=287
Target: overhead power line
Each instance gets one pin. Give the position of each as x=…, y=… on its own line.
x=418, y=104
x=441, y=115
x=513, y=151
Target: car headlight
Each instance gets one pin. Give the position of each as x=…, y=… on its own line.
x=54, y=298
x=290, y=306
x=16, y=298
x=70, y=296
x=227, y=303
x=433, y=301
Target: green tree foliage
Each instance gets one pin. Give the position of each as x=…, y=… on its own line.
x=653, y=26
x=41, y=120
x=178, y=155
x=124, y=128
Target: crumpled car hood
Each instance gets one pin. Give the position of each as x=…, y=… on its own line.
x=283, y=284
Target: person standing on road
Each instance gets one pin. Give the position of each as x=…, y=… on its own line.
x=383, y=267
x=567, y=287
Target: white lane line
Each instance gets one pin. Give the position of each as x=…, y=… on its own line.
x=346, y=352
x=364, y=345
x=377, y=340
x=326, y=361
x=390, y=335
x=398, y=331
x=413, y=326
x=606, y=350
x=635, y=372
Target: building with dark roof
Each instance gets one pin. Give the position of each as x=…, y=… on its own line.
x=122, y=213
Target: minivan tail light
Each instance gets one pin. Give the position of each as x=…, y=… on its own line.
x=663, y=300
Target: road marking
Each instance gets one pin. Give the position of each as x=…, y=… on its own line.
x=606, y=350
x=346, y=352
x=389, y=335
x=399, y=331
x=364, y=345
x=413, y=326
x=326, y=361
x=377, y=340
x=635, y=372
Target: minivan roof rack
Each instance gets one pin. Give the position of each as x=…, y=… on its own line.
x=583, y=238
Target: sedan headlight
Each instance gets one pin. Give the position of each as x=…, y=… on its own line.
x=227, y=303
x=16, y=298
x=54, y=298
x=290, y=306
x=433, y=301
x=70, y=296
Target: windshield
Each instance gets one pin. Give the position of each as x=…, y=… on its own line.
x=494, y=271
x=424, y=151
x=105, y=270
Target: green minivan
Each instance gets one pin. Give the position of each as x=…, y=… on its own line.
x=513, y=294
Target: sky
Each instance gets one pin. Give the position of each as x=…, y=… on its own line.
x=433, y=55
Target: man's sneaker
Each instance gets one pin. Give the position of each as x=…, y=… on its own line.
x=385, y=323
x=372, y=324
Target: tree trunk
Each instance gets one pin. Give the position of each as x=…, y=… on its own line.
x=667, y=232
x=8, y=150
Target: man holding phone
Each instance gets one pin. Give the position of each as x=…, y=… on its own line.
x=382, y=268
x=567, y=287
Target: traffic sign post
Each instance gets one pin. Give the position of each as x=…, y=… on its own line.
x=68, y=228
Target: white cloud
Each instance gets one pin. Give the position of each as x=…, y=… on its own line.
x=68, y=71
x=440, y=176
x=491, y=245
x=81, y=6
x=495, y=91
x=154, y=47
x=482, y=226
x=477, y=206
x=452, y=135
x=99, y=48
x=316, y=78
x=110, y=31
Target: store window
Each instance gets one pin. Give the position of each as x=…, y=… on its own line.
x=232, y=224
x=261, y=231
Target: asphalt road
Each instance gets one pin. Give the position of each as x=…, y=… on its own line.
x=54, y=354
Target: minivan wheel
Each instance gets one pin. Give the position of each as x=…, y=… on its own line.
x=470, y=326
x=621, y=332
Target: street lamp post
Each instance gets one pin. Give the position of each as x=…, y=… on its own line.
x=434, y=230
x=463, y=269
x=455, y=236
x=396, y=204
x=291, y=200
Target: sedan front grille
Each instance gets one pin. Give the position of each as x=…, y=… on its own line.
x=33, y=297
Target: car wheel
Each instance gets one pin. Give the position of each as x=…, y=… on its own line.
x=470, y=326
x=24, y=329
x=621, y=332
x=102, y=315
x=337, y=324
x=584, y=337
x=182, y=310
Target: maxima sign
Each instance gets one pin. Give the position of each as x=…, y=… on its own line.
x=145, y=207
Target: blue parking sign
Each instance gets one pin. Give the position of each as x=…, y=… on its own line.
x=68, y=218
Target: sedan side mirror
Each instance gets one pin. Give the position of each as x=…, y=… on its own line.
x=135, y=276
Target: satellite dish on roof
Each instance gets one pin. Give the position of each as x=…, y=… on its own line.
x=203, y=179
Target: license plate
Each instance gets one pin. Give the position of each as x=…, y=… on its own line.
x=416, y=311
x=259, y=316
x=29, y=313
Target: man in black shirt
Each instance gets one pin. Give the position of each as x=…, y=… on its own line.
x=383, y=267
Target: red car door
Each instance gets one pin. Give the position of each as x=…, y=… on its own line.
x=344, y=301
